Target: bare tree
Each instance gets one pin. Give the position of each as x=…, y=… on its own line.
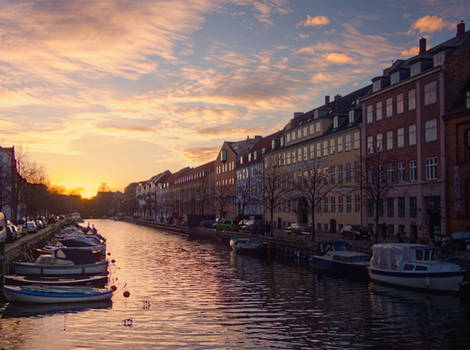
x=374, y=183
x=273, y=192
x=243, y=195
x=202, y=193
x=5, y=185
x=314, y=184
x=222, y=197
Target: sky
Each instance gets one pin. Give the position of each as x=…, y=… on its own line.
x=102, y=91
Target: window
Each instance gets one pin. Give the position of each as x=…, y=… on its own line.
x=304, y=131
x=347, y=143
x=395, y=78
x=401, y=207
x=312, y=151
x=317, y=127
x=340, y=204
x=439, y=58
x=380, y=142
x=348, y=204
x=293, y=156
x=467, y=145
x=332, y=204
x=390, y=207
x=401, y=172
x=370, y=144
x=318, y=150
x=325, y=148
x=357, y=203
x=288, y=158
x=370, y=208
x=351, y=116
x=400, y=106
x=293, y=135
x=381, y=207
x=388, y=107
x=412, y=170
x=412, y=135
x=356, y=140
x=288, y=137
x=378, y=111
x=332, y=174
x=340, y=173
x=430, y=93
x=325, y=205
x=430, y=130
x=335, y=122
x=223, y=155
x=431, y=168
x=412, y=100
x=369, y=114
x=413, y=207
x=357, y=171
x=376, y=85
x=467, y=99
x=415, y=69
x=305, y=153
x=400, y=137
x=299, y=133
x=332, y=146
x=390, y=173
x=340, y=144
x=348, y=172
x=389, y=140
x=311, y=129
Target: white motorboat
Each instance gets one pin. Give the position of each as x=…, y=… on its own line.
x=414, y=266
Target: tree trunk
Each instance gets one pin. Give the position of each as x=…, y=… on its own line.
x=271, y=226
x=313, y=223
x=376, y=221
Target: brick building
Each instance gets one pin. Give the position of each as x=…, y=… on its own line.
x=8, y=176
x=404, y=124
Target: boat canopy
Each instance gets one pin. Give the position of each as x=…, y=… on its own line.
x=77, y=256
x=391, y=256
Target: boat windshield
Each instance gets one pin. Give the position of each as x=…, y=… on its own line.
x=427, y=254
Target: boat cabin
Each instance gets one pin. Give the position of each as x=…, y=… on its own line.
x=404, y=256
x=333, y=246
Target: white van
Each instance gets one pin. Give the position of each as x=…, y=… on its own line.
x=3, y=227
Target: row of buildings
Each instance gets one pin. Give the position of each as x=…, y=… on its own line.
x=393, y=155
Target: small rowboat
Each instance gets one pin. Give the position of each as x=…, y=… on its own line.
x=42, y=294
x=56, y=281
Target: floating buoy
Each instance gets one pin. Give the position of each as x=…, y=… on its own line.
x=109, y=253
x=113, y=261
x=113, y=288
x=126, y=294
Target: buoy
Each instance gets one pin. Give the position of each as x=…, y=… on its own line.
x=126, y=294
x=113, y=261
x=109, y=253
x=113, y=288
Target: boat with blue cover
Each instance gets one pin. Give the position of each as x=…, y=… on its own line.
x=414, y=266
x=41, y=294
x=338, y=256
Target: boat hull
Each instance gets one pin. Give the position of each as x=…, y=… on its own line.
x=24, y=268
x=438, y=281
x=57, y=281
x=350, y=269
x=17, y=294
x=248, y=246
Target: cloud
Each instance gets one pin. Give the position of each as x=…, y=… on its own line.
x=412, y=51
x=304, y=36
x=340, y=58
x=314, y=21
x=429, y=24
x=200, y=155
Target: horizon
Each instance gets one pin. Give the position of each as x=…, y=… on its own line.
x=116, y=92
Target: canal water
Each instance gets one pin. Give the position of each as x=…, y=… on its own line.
x=189, y=294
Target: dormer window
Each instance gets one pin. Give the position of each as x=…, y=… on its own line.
x=223, y=155
x=376, y=86
x=273, y=144
x=281, y=141
x=249, y=157
x=415, y=69
x=315, y=114
x=254, y=155
x=439, y=58
x=395, y=78
x=351, y=116
x=241, y=160
x=335, y=122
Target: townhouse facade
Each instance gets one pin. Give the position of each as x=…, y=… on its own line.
x=325, y=140
x=249, y=179
x=8, y=175
x=404, y=127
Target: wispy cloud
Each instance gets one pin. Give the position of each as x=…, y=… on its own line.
x=429, y=24
x=314, y=21
x=338, y=58
x=412, y=51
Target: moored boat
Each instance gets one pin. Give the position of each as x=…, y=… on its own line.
x=56, y=281
x=414, y=266
x=253, y=245
x=62, y=262
x=339, y=257
x=54, y=294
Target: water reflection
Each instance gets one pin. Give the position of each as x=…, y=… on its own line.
x=194, y=294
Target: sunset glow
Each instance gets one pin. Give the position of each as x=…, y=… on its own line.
x=117, y=91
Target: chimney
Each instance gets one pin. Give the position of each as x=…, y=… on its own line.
x=327, y=99
x=337, y=97
x=460, y=29
x=422, y=46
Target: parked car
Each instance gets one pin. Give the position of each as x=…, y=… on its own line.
x=253, y=226
x=3, y=227
x=459, y=240
x=225, y=225
x=296, y=227
x=31, y=227
x=12, y=233
x=207, y=223
x=355, y=232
